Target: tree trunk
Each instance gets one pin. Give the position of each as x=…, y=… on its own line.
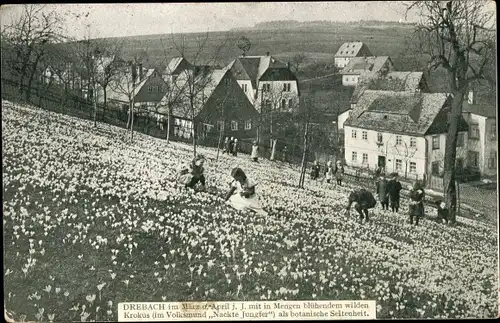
x=132, y=122
x=450, y=191
x=221, y=135
x=32, y=75
x=194, y=139
x=94, y=97
x=105, y=98
x=168, y=125
x=273, y=149
x=304, y=159
x=129, y=119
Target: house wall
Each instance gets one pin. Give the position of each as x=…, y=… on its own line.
x=490, y=145
x=250, y=91
x=153, y=89
x=350, y=80
x=342, y=118
x=437, y=155
x=388, y=148
x=228, y=103
x=341, y=62
x=276, y=94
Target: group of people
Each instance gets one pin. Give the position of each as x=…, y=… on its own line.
x=231, y=146
x=242, y=194
x=330, y=171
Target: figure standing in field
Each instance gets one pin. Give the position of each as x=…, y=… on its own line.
x=416, y=207
x=242, y=195
x=442, y=212
x=363, y=200
x=235, y=147
x=329, y=172
x=226, y=146
x=394, y=188
x=339, y=171
x=383, y=193
x=230, y=149
x=192, y=174
x=285, y=149
x=315, y=170
x=255, y=152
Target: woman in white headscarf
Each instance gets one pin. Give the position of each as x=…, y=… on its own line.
x=242, y=195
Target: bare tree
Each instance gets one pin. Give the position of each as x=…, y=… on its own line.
x=194, y=84
x=244, y=44
x=458, y=36
x=406, y=152
x=28, y=36
x=298, y=60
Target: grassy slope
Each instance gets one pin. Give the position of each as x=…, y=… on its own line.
x=68, y=185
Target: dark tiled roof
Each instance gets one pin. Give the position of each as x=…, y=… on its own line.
x=397, y=112
x=365, y=66
x=485, y=110
x=251, y=67
x=278, y=74
x=351, y=49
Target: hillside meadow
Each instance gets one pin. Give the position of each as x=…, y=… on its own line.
x=91, y=219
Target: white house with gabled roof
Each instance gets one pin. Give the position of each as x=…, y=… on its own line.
x=350, y=50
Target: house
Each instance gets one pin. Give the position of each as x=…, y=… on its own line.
x=391, y=81
x=359, y=67
x=176, y=66
x=266, y=81
x=220, y=104
x=402, y=132
x=122, y=90
x=482, y=137
x=350, y=50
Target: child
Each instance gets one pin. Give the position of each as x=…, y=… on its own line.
x=255, y=152
x=235, y=147
x=242, y=194
x=443, y=212
x=231, y=143
x=393, y=188
x=339, y=170
x=329, y=172
x=382, y=192
x=315, y=170
x=226, y=146
x=416, y=209
x=363, y=200
x=190, y=175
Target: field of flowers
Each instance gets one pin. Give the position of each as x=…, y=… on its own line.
x=91, y=220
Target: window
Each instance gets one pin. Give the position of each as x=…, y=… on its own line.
x=220, y=125
x=365, y=158
x=150, y=89
x=460, y=139
x=354, y=156
x=286, y=87
x=473, y=157
x=283, y=104
x=474, y=131
x=248, y=124
x=266, y=88
x=379, y=137
x=290, y=103
x=493, y=131
x=399, y=164
x=234, y=125
x=364, y=135
x=435, y=142
x=413, y=167
x=353, y=134
x=492, y=161
x=398, y=140
x=435, y=168
x=244, y=87
x=413, y=142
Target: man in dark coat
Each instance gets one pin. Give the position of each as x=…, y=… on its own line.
x=363, y=200
x=394, y=188
x=315, y=171
x=416, y=208
x=383, y=194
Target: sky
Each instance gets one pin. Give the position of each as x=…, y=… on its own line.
x=131, y=19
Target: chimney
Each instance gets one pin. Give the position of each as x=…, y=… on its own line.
x=471, y=99
x=140, y=72
x=267, y=53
